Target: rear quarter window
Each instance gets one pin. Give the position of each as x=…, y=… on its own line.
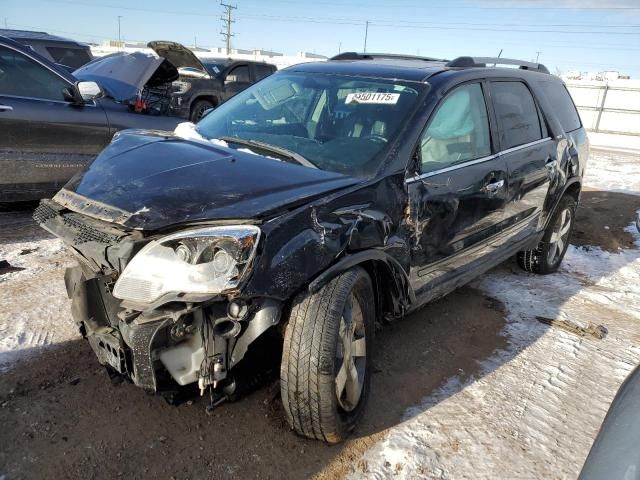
x=562, y=104
x=72, y=57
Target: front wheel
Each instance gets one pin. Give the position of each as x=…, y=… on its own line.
x=326, y=359
x=548, y=255
x=198, y=109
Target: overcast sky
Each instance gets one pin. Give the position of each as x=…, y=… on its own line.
x=585, y=35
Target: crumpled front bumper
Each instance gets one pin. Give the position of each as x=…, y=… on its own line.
x=96, y=312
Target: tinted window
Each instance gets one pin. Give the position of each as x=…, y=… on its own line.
x=23, y=77
x=241, y=73
x=562, y=104
x=459, y=130
x=72, y=57
x=518, y=120
x=262, y=71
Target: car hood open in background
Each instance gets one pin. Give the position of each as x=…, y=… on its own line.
x=122, y=75
x=177, y=54
x=152, y=180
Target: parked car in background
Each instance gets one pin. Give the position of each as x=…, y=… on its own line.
x=326, y=198
x=51, y=124
x=615, y=452
x=175, y=82
x=63, y=51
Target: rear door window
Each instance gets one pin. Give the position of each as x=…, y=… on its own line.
x=262, y=71
x=563, y=106
x=517, y=114
x=23, y=77
x=458, y=131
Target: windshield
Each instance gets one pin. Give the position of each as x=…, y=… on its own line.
x=338, y=123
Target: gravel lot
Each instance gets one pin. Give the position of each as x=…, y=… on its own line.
x=472, y=386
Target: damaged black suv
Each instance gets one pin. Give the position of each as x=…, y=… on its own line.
x=321, y=201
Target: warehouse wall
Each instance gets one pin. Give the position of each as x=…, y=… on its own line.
x=609, y=107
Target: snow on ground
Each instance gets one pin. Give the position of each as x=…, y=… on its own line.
x=36, y=313
x=612, y=171
x=535, y=407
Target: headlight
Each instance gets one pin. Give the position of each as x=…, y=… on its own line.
x=180, y=87
x=189, y=266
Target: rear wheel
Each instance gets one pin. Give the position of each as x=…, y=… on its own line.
x=326, y=360
x=548, y=255
x=198, y=108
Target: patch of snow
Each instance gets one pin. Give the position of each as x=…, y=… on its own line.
x=534, y=408
x=188, y=131
x=142, y=210
x=34, y=308
x=613, y=172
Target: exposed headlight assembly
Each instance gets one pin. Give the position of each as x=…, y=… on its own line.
x=189, y=266
x=181, y=87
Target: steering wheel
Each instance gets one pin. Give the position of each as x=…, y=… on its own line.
x=375, y=138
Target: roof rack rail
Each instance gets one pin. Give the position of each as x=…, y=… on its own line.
x=390, y=56
x=467, y=62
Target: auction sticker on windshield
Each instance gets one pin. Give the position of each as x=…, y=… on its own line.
x=373, y=97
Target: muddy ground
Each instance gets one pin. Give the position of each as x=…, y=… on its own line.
x=61, y=417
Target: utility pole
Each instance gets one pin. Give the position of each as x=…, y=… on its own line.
x=119, y=37
x=537, y=56
x=226, y=20
x=366, y=33
x=5, y=22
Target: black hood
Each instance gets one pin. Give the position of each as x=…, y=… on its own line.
x=152, y=180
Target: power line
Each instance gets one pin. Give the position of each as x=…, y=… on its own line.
x=394, y=24
x=460, y=7
x=226, y=20
x=355, y=21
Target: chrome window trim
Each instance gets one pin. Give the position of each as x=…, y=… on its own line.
x=526, y=145
x=476, y=161
x=48, y=100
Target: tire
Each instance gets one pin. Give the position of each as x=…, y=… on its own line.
x=198, y=108
x=315, y=361
x=548, y=255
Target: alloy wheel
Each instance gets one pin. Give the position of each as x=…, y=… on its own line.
x=560, y=235
x=351, y=355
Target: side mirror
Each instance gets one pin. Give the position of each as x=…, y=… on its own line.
x=88, y=90
x=231, y=79
x=82, y=92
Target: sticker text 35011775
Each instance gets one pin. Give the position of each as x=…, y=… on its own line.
x=373, y=97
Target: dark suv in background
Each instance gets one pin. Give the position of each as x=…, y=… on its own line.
x=63, y=51
x=324, y=199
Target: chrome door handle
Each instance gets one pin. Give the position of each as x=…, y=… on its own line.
x=493, y=187
x=5, y=107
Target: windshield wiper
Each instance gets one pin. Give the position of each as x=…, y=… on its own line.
x=271, y=148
